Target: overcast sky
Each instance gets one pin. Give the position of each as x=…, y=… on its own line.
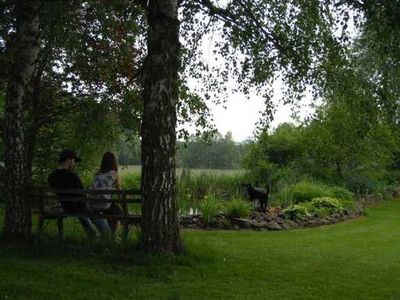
x=241, y=115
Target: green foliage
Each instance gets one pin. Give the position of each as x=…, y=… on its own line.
x=209, y=208
x=2, y=110
x=295, y=211
x=360, y=185
x=341, y=193
x=283, y=146
x=216, y=152
x=193, y=185
x=299, y=31
x=331, y=205
x=81, y=130
x=130, y=180
x=237, y=208
x=284, y=196
x=305, y=191
x=129, y=150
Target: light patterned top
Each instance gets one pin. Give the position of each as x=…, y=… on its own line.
x=103, y=181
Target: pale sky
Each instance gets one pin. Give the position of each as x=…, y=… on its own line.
x=242, y=114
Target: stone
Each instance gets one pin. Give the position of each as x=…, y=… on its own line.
x=260, y=225
x=243, y=223
x=273, y=225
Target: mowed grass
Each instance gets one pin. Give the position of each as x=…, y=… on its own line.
x=357, y=259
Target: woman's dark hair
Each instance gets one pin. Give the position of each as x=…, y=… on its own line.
x=108, y=163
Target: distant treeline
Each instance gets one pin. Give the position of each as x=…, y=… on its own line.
x=215, y=152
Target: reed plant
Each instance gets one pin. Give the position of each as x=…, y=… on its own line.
x=238, y=208
x=209, y=208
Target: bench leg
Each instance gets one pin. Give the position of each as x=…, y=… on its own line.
x=40, y=228
x=125, y=232
x=60, y=227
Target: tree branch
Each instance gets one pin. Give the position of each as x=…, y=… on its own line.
x=268, y=35
x=227, y=16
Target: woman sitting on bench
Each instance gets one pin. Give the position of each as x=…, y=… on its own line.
x=107, y=179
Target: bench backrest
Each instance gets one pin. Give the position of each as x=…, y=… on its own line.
x=40, y=196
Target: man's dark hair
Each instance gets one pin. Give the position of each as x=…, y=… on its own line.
x=68, y=154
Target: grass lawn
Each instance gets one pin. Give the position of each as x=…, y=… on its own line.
x=358, y=259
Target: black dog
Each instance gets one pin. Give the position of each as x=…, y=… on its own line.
x=257, y=193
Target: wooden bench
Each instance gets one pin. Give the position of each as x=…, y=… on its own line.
x=46, y=203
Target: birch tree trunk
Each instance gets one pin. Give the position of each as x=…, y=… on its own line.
x=160, y=229
x=18, y=219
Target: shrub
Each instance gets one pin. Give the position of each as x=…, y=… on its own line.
x=295, y=211
x=209, y=208
x=391, y=191
x=341, y=193
x=328, y=204
x=305, y=191
x=238, y=208
x=359, y=184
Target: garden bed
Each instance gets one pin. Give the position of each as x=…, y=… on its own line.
x=273, y=219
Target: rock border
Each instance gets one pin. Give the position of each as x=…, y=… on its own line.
x=273, y=219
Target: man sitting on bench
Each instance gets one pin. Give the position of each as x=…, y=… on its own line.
x=63, y=178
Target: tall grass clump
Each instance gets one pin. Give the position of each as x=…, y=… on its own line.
x=305, y=191
x=238, y=208
x=341, y=193
x=194, y=185
x=302, y=191
x=209, y=208
x=284, y=196
x=130, y=180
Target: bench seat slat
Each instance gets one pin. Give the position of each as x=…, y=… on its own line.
x=93, y=192
x=85, y=199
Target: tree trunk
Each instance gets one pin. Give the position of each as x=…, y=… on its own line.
x=160, y=229
x=18, y=219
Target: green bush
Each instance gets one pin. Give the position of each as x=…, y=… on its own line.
x=331, y=205
x=209, y=208
x=341, y=193
x=391, y=191
x=238, y=208
x=359, y=185
x=295, y=211
x=305, y=191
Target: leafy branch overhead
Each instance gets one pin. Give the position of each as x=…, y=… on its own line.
x=260, y=42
